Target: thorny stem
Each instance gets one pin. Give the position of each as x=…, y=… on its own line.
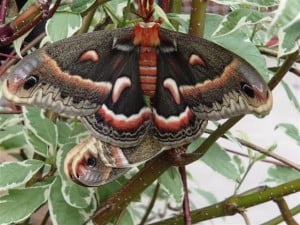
x=285, y=211
x=11, y=61
x=3, y=10
x=31, y=16
x=186, y=202
x=151, y=204
x=234, y=204
x=279, y=219
x=197, y=21
x=155, y=167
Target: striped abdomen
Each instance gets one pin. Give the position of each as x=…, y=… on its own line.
x=148, y=70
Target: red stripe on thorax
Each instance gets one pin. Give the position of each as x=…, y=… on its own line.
x=146, y=36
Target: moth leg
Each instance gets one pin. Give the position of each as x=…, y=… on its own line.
x=178, y=156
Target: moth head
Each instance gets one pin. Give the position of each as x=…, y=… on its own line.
x=23, y=80
x=255, y=92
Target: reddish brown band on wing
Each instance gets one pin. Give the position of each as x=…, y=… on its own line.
x=210, y=85
x=76, y=81
x=173, y=123
x=123, y=123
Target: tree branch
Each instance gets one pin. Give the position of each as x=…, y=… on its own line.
x=197, y=21
x=234, y=204
x=285, y=211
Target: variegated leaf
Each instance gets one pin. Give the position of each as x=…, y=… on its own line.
x=239, y=18
x=19, y=204
x=15, y=174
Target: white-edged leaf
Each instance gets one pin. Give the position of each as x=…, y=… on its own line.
x=64, y=130
x=75, y=195
x=77, y=6
x=10, y=132
x=218, y=160
x=68, y=23
x=41, y=126
x=288, y=36
x=19, y=42
x=291, y=95
x=238, y=43
x=287, y=11
x=171, y=181
x=15, y=174
x=19, y=204
x=239, y=18
x=62, y=213
x=36, y=144
x=248, y=2
x=291, y=130
x=7, y=120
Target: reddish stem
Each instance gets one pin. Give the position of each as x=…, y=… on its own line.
x=3, y=10
x=186, y=202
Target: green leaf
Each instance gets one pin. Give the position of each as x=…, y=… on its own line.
x=10, y=132
x=291, y=130
x=64, y=131
x=77, y=6
x=217, y=159
x=36, y=144
x=15, y=174
x=208, y=196
x=104, y=191
x=171, y=181
x=67, y=22
x=239, y=18
x=18, y=141
x=19, y=204
x=62, y=213
x=41, y=126
x=291, y=95
x=159, y=13
x=126, y=218
x=238, y=43
x=182, y=19
x=74, y=194
x=281, y=175
x=287, y=37
x=286, y=24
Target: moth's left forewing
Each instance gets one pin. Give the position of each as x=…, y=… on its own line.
x=71, y=76
x=215, y=82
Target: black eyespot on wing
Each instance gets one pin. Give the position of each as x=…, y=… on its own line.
x=91, y=162
x=30, y=82
x=247, y=89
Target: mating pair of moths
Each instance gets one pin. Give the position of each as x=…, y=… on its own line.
x=138, y=90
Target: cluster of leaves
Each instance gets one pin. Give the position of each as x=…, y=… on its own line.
x=40, y=144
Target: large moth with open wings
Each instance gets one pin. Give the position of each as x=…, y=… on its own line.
x=139, y=90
